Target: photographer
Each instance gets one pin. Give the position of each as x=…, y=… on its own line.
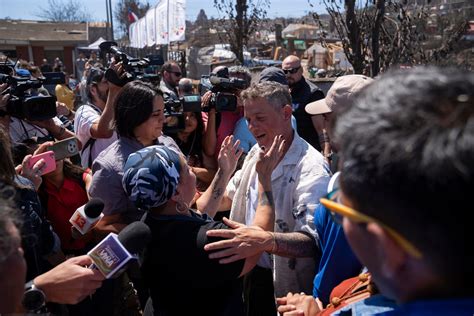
x=92, y=122
x=220, y=124
x=37, y=124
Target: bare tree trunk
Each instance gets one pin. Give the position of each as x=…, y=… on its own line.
x=380, y=5
x=240, y=8
x=356, y=58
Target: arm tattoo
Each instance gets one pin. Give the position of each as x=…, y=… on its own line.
x=217, y=191
x=295, y=245
x=266, y=198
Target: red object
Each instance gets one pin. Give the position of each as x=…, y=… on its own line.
x=132, y=17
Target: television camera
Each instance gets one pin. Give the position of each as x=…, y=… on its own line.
x=22, y=103
x=224, y=90
x=174, y=112
x=135, y=68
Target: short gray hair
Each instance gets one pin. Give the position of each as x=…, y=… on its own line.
x=275, y=93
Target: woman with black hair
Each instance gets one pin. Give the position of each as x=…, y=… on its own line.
x=190, y=141
x=139, y=117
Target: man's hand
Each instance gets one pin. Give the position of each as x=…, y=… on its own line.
x=70, y=282
x=299, y=304
x=241, y=242
x=62, y=109
x=229, y=155
x=269, y=158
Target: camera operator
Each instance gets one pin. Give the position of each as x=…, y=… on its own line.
x=219, y=125
x=170, y=76
x=23, y=129
x=92, y=122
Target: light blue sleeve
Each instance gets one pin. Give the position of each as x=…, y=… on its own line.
x=242, y=133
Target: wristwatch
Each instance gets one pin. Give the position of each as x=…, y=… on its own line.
x=33, y=298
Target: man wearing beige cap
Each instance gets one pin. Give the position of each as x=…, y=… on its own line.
x=341, y=95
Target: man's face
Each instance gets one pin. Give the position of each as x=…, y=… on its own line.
x=102, y=90
x=264, y=121
x=293, y=71
x=359, y=239
x=173, y=76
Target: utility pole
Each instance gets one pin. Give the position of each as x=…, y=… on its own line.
x=108, y=18
x=111, y=21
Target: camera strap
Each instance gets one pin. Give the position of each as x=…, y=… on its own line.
x=91, y=141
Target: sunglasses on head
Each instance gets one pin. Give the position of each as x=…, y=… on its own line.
x=339, y=211
x=291, y=70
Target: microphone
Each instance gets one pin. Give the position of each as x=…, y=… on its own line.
x=112, y=254
x=86, y=217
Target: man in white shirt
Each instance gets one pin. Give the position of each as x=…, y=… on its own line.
x=298, y=181
x=92, y=122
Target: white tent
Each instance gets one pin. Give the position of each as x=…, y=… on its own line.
x=95, y=45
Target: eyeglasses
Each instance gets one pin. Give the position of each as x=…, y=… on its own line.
x=339, y=210
x=291, y=70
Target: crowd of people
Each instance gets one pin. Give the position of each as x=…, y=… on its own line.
x=293, y=203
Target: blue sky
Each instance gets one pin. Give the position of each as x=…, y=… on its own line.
x=27, y=9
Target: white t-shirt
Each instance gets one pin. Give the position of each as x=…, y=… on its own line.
x=86, y=115
x=21, y=130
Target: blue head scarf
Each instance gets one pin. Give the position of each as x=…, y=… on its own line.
x=151, y=176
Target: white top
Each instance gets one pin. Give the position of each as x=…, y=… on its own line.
x=21, y=130
x=86, y=115
x=299, y=180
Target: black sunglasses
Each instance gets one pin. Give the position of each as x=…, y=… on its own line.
x=291, y=70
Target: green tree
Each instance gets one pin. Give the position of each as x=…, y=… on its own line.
x=239, y=19
x=121, y=12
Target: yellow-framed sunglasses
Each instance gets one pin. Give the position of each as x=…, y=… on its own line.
x=339, y=210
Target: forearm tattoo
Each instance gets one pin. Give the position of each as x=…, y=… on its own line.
x=295, y=245
x=217, y=190
x=266, y=199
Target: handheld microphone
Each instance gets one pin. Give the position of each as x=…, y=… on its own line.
x=115, y=251
x=86, y=217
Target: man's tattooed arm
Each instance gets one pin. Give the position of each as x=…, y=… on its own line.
x=295, y=245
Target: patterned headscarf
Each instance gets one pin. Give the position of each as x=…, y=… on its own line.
x=151, y=176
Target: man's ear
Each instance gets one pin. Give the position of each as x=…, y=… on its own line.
x=287, y=112
x=393, y=256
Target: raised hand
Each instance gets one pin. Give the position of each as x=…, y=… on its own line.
x=269, y=159
x=229, y=155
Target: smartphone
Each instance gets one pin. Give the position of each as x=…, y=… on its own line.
x=65, y=148
x=50, y=161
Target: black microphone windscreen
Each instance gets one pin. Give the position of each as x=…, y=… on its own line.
x=135, y=237
x=94, y=207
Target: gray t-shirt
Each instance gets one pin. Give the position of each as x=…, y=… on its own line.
x=108, y=171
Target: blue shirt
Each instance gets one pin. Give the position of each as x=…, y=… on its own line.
x=338, y=262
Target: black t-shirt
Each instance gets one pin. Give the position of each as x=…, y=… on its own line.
x=303, y=93
x=181, y=277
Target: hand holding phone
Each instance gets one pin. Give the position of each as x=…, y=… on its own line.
x=49, y=162
x=65, y=148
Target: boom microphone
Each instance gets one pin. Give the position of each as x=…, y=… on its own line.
x=114, y=252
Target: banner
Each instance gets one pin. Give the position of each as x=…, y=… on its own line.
x=150, y=28
x=164, y=23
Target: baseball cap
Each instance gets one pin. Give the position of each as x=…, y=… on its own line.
x=342, y=92
x=23, y=73
x=273, y=74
